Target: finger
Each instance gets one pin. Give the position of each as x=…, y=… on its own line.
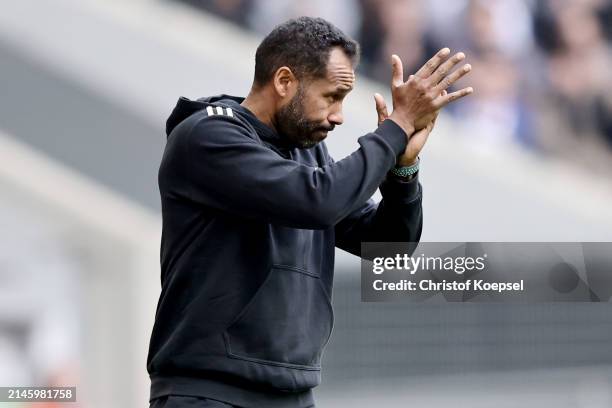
x=445, y=68
x=452, y=78
x=381, y=107
x=397, y=69
x=443, y=93
x=443, y=101
x=433, y=121
x=431, y=65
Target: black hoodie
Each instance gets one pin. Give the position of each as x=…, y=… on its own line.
x=250, y=224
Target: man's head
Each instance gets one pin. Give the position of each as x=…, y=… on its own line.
x=306, y=67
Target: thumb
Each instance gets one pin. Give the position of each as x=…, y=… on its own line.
x=397, y=71
x=381, y=108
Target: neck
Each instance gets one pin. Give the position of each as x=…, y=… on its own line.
x=259, y=104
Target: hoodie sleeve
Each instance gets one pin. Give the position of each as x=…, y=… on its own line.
x=216, y=162
x=397, y=218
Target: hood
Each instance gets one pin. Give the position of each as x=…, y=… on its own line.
x=185, y=108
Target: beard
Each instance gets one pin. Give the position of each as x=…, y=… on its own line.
x=292, y=123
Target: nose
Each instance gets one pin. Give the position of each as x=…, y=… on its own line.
x=336, y=118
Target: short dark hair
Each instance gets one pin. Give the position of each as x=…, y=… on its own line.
x=302, y=44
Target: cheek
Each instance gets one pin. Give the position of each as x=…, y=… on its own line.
x=325, y=107
x=316, y=110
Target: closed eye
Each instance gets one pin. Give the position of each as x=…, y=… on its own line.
x=336, y=96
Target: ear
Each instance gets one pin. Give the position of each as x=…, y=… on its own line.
x=285, y=83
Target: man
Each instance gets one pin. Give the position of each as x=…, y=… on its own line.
x=253, y=207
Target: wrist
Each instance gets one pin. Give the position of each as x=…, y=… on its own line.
x=404, y=172
x=404, y=161
x=406, y=125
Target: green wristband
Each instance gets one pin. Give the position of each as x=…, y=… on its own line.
x=407, y=170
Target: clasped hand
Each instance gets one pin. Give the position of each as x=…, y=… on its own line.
x=417, y=102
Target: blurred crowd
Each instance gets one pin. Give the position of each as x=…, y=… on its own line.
x=541, y=68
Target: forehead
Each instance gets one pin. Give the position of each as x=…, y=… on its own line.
x=340, y=74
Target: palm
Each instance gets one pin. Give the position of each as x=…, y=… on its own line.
x=417, y=141
x=423, y=121
x=414, y=147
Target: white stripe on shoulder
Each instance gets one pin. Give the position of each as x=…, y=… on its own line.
x=218, y=110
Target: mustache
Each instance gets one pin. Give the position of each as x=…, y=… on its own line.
x=327, y=129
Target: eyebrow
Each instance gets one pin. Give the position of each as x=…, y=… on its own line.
x=339, y=91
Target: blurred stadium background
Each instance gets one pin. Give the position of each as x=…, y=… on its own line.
x=86, y=86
